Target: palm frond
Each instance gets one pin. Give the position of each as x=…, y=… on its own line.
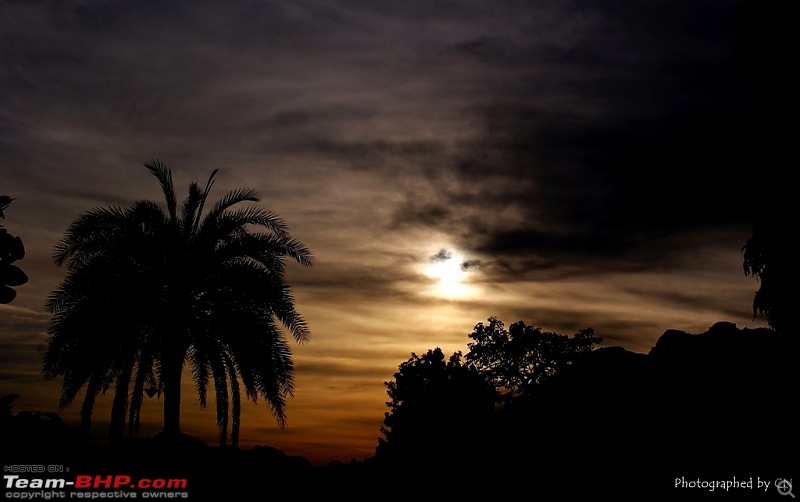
x=263, y=246
x=209, y=184
x=85, y=231
x=200, y=373
x=258, y=216
x=145, y=216
x=230, y=199
x=284, y=310
x=190, y=207
x=164, y=176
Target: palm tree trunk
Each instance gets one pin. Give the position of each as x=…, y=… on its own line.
x=92, y=389
x=237, y=406
x=237, y=413
x=222, y=412
x=134, y=415
x=171, y=377
x=120, y=405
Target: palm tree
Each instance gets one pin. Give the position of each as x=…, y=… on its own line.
x=192, y=287
x=97, y=332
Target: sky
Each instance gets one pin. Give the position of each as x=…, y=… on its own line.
x=568, y=164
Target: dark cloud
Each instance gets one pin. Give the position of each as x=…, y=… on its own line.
x=633, y=130
x=441, y=256
x=469, y=265
x=537, y=137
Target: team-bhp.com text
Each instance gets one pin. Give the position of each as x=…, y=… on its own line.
x=94, y=487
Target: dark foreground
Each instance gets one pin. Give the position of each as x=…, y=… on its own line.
x=700, y=417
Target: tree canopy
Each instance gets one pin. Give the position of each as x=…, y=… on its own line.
x=449, y=407
x=435, y=403
x=769, y=256
x=522, y=356
x=150, y=290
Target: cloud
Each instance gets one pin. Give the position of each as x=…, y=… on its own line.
x=542, y=140
x=469, y=265
x=442, y=256
x=597, y=158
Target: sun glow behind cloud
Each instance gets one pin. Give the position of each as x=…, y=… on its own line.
x=450, y=273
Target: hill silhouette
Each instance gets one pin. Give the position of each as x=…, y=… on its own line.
x=708, y=406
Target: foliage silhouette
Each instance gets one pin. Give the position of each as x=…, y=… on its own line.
x=619, y=422
x=11, y=250
x=148, y=292
x=769, y=256
x=703, y=406
x=517, y=358
x=435, y=404
x=464, y=410
x=764, y=52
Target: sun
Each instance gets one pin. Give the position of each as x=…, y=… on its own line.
x=450, y=273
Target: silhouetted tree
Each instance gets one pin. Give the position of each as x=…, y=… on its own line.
x=436, y=406
x=149, y=291
x=11, y=250
x=764, y=52
x=769, y=256
x=522, y=356
x=99, y=331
